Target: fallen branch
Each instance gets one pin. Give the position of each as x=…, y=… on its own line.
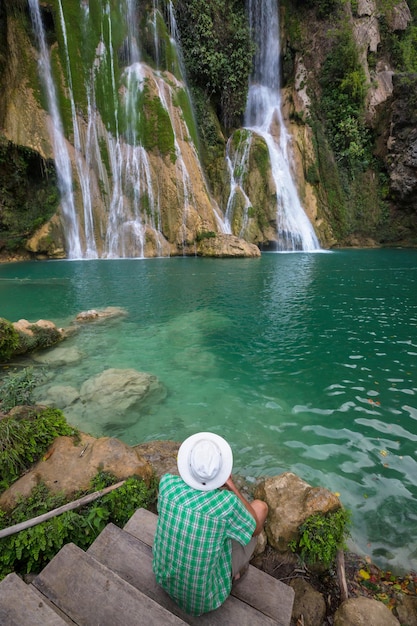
x=75, y=504
x=341, y=575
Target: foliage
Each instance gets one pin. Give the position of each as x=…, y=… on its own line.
x=16, y=388
x=217, y=51
x=28, y=193
x=9, y=339
x=205, y=234
x=342, y=104
x=400, y=46
x=321, y=536
x=30, y=549
x=322, y=8
x=23, y=441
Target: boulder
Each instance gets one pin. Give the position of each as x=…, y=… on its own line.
x=226, y=246
x=364, y=612
x=35, y=335
x=27, y=327
x=399, y=16
x=68, y=467
x=291, y=501
x=309, y=605
x=407, y=610
x=48, y=242
x=162, y=455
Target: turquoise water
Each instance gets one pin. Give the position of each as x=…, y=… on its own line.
x=304, y=362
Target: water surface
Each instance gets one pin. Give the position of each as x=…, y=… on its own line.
x=304, y=362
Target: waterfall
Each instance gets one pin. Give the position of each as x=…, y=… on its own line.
x=221, y=222
x=83, y=169
x=237, y=166
x=116, y=182
x=62, y=158
x=263, y=116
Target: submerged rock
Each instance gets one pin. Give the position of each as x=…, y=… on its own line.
x=60, y=356
x=101, y=314
x=61, y=396
x=116, y=391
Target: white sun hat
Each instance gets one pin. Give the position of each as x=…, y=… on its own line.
x=205, y=461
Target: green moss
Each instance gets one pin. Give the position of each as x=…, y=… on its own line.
x=154, y=126
x=206, y=234
x=154, y=30
x=241, y=135
x=260, y=155
x=330, y=192
x=182, y=100
x=78, y=63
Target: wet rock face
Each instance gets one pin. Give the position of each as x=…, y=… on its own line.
x=401, y=156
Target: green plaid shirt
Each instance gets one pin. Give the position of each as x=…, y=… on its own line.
x=192, y=552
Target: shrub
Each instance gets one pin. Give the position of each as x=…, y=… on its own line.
x=343, y=84
x=9, y=339
x=30, y=549
x=218, y=52
x=321, y=536
x=38, y=337
x=16, y=388
x=24, y=441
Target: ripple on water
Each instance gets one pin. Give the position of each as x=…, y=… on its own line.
x=306, y=363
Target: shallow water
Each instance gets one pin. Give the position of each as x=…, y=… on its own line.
x=304, y=362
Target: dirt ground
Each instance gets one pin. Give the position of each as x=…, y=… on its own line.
x=363, y=578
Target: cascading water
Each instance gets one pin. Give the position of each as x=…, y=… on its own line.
x=237, y=165
x=263, y=116
x=62, y=159
x=132, y=148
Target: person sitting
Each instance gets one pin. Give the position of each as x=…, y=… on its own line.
x=207, y=530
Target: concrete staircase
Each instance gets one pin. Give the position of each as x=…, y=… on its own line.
x=112, y=584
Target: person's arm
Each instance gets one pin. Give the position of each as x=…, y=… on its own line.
x=258, y=509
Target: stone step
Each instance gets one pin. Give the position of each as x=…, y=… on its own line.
x=131, y=559
x=21, y=605
x=257, y=589
x=93, y=595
